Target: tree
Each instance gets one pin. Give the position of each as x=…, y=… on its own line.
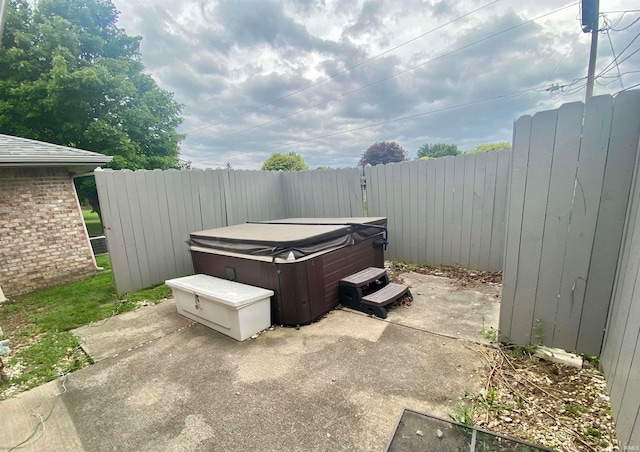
x=381, y=153
x=284, y=162
x=437, y=150
x=490, y=147
x=70, y=76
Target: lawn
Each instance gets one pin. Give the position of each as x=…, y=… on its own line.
x=92, y=220
x=38, y=326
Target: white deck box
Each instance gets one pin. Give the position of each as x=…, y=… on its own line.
x=232, y=308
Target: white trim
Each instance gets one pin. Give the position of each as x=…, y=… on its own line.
x=84, y=225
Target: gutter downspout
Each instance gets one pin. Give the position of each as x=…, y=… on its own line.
x=86, y=232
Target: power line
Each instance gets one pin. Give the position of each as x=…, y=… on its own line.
x=628, y=26
x=613, y=52
x=627, y=89
x=344, y=71
x=403, y=118
x=393, y=75
x=615, y=59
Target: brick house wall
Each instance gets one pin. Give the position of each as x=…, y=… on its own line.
x=42, y=236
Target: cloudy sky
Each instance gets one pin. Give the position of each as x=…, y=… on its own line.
x=319, y=77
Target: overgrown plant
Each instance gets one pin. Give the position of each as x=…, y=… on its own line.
x=462, y=415
x=490, y=333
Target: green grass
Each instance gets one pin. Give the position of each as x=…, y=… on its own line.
x=39, y=324
x=92, y=220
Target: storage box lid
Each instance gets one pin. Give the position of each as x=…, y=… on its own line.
x=223, y=291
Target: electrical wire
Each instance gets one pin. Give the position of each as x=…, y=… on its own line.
x=625, y=28
x=403, y=118
x=627, y=89
x=396, y=74
x=344, y=71
x=613, y=52
x=615, y=59
x=43, y=420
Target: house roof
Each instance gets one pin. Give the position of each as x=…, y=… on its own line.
x=15, y=151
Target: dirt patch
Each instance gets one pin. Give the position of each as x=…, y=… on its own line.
x=460, y=277
x=558, y=406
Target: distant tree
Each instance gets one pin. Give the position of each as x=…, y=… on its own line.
x=384, y=152
x=284, y=162
x=322, y=168
x=490, y=147
x=70, y=76
x=437, y=150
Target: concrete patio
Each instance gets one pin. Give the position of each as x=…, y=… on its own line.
x=161, y=383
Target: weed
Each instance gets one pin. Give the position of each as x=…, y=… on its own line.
x=490, y=333
x=462, y=415
x=574, y=410
x=490, y=400
x=525, y=350
x=538, y=332
x=594, y=360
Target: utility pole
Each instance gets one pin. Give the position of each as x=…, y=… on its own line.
x=590, y=16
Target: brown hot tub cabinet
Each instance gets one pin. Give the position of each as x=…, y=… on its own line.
x=301, y=259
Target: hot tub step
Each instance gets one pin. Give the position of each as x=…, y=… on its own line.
x=370, y=291
x=364, y=277
x=388, y=294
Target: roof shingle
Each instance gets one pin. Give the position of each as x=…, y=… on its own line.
x=15, y=151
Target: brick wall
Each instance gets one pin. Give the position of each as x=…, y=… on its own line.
x=42, y=237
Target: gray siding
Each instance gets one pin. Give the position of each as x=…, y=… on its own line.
x=444, y=211
x=570, y=177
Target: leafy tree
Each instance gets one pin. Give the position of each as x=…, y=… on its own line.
x=491, y=147
x=437, y=150
x=70, y=76
x=284, y=162
x=384, y=152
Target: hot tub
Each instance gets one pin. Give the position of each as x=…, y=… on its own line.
x=300, y=259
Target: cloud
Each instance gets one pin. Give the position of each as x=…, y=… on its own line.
x=226, y=61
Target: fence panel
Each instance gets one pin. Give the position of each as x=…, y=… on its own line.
x=563, y=241
x=252, y=195
x=443, y=211
x=621, y=348
x=543, y=129
x=148, y=216
x=322, y=193
x=519, y=160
